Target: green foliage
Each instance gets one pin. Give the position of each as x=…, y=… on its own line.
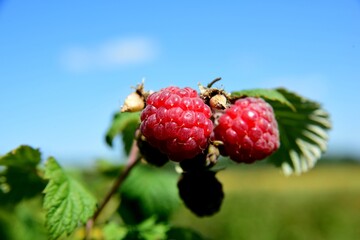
x=23, y=156
x=303, y=126
x=23, y=222
x=148, y=192
x=123, y=123
x=20, y=179
x=108, y=169
x=267, y=94
x=303, y=133
x=149, y=229
x=113, y=231
x=149, y=196
x=183, y=234
x=19, y=184
x=66, y=202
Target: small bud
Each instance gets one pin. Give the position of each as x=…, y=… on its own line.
x=218, y=101
x=212, y=154
x=133, y=103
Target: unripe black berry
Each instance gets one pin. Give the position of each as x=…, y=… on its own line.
x=202, y=161
x=201, y=192
x=149, y=153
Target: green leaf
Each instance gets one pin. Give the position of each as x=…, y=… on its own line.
x=108, y=169
x=128, y=136
x=23, y=156
x=150, y=230
x=112, y=231
x=18, y=183
x=20, y=177
x=303, y=133
x=147, y=192
x=25, y=222
x=267, y=94
x=183, y=234
x=121, y=123
x=67, y=203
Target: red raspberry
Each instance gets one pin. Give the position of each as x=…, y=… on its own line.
x=248, y=130
x=177, y=121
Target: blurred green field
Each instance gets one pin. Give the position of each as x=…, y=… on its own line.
x=260, y=203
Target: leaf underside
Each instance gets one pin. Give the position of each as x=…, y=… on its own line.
x=303, y=133
x=123, y=123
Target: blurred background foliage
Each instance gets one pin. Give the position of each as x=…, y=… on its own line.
x=260, y=203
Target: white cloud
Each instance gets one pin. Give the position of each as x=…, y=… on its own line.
x=109, y=55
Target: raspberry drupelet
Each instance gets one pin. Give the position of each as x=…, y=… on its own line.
x=177, y=121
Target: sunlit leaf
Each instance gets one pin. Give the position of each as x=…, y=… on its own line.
x=150, y=229
x=303, y=133
x=67, y=203
x=113, y=231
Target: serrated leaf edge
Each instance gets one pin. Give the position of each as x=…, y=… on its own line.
x=51, y=207
x=282, y=99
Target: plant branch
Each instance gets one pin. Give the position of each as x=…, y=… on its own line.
x=133, y=159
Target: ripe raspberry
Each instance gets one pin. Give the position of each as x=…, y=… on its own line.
x=248, y=130
x=177, y=122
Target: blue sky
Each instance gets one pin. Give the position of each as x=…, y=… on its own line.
x=66, y=66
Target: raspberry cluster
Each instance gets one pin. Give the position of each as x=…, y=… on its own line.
x=194, y=130
x=177, y=122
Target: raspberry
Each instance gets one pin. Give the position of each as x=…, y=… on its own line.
x=248, y=130
x=177, y=121
x=201, y=192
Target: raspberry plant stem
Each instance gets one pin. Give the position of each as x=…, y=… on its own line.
x=213, y=82
x=133, y=159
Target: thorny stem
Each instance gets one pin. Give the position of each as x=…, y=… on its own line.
x=133, y=159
